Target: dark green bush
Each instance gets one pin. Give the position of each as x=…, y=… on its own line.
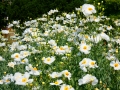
x=3, y=14
x=110, y=7
x=25, y=9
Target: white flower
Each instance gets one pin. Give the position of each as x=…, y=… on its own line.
x=32, y=70
x=109, y=27
x=5, y=31
x=7, y=79
x=15, y=22
x=16, y=76
x=68, y=16
x=11, y=64
x=22, y=47
x=2, y=44
x=105, y=36
x=118, y=41
x=55, y=74
x=85, y=48
x=24, y=61
x=58, y=82
x=67, y=74
x=1, y=58
x=66, y=87
x=16, y=56
x=84, y=64
x=88, y=79
x=24, y=54
x=1, y=81
x=87, y=63
x=115, y=65
x=49, y=60
x=92, y=64
x=24, y=79
x=95, y=39
x=88, y=9
x=52, y=42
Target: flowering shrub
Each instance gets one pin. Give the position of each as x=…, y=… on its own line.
x=64, y=52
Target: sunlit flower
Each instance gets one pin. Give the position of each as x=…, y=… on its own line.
x=118, y=41
x=105, y=36
x=84, y=64
x=16, y=56
x=88, y=9
x=84, y=48
x=88, y=79
x=55, y=74
x=58, y=82
x=11, y=64
x=95, y=39
x=92, y=64
x=67, y=74
x=32, y=70
x=66, y=87
x=62, y=50
x=7, y=79
x=5, y=31
x=2, y=44
x=24, y=61
x=115, y=65
x=109, y=27
x=1, y=81
x=49, y=60
x=24, y=79
x=22, y=47
x=1, y=58
x=52, y=42
x=24, y=54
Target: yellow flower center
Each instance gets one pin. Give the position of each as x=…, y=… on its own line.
x=25, y=53
x=35, y=69
x=92, y=63
x=23, y=60
x=67, y=73
x=48, y=59
x=61, y=48
x=116, y=64
x=86, y=36
x=85, y=47
x=84, y=62
x=90, y=9
x=7, y=80
x=56, y=82
x=16, y=56
x=24, y=79
x=66, y=88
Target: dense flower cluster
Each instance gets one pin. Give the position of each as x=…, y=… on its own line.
x=63, y=52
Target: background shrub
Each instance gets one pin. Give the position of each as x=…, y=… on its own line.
x=25, y=9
